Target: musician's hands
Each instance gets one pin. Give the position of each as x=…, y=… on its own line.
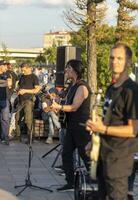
x=96, y=126
x=55, y=106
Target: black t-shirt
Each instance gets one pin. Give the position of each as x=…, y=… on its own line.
x=3, y=90
x=27, y=82
x=82, y=114
x=124, y=108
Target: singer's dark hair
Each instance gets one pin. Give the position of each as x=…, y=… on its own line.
x=77, y=66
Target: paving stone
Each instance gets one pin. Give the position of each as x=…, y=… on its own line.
x=14, y=169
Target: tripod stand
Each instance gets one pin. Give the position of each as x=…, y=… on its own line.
x=58, y=154
x=61, y=143
x=28, y=182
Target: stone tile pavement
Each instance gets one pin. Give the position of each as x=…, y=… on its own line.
x=13, y=171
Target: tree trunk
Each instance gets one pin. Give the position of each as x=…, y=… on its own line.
x=91, y=51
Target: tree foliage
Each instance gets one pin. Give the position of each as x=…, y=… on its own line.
x=104, y=34
x=5, y=52
x=40, y=59
x=105, y=39
x=87, y=14
x=125, y=29
x=50, y=55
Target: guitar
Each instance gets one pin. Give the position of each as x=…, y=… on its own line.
x=95, y=141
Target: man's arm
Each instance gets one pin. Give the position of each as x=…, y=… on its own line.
x=3, y=83
x=130, y=130
x=6, y=83
x=30, y=91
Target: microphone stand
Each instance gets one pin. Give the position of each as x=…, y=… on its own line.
x=28, y=182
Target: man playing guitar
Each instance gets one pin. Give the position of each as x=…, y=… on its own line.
x=118, y=129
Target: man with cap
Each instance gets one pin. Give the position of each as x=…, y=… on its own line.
x=5, y=84
x=10, y=72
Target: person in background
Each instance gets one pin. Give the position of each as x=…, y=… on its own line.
x=28, y=86
x=10, y=72
x=40, y=74
x=51, y=115
x=118, y=128
x=5, y=84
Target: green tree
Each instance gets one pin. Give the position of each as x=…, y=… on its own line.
x=125, y=29
x=79, y=38
x=50, y=55
x=87, y=15
x=105, y=39
x=40, y=59
x=5, y=53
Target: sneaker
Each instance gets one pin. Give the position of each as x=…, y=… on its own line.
x=6, y=142
x=49, y=140
x=66, y=188
x=59, y=168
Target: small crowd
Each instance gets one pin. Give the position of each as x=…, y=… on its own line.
x=69, y=111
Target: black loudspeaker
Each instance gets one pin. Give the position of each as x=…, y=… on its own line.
x=64, y=54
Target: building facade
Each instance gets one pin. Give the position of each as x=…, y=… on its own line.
x=21, y=53
x=57, y=38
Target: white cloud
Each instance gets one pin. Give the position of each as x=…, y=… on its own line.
x=45, y=3
x=57, y=2
x=15, y=2
x=12, y=2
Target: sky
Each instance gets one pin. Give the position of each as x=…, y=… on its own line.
x=24, y=22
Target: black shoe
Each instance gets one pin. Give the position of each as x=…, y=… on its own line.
x=66, y=188
x=130, y=197
x=61, y=173
x=6, y=142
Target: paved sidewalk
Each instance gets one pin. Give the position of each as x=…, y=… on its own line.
x=13, y=171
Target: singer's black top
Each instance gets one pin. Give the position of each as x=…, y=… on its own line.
x=83, y=112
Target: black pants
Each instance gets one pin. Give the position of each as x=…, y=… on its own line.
x=113, y=177
x=27, y=109
x=74, y=138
